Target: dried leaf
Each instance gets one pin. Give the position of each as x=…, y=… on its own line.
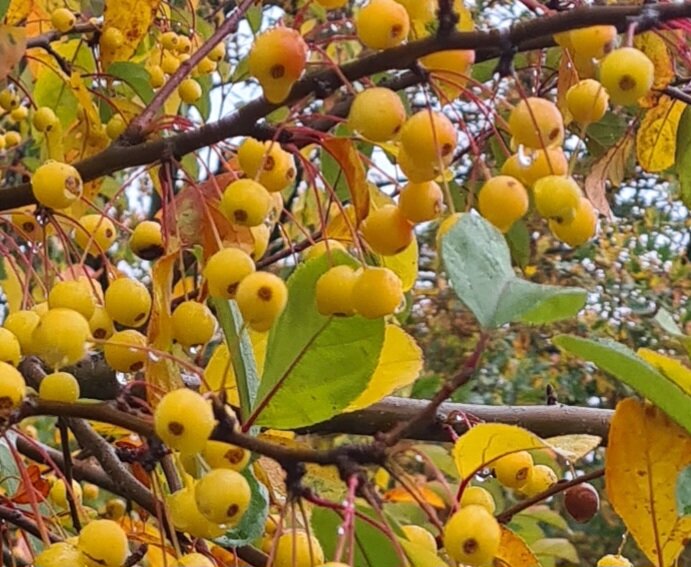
x=568, y=76
x=654, y=46
x=423, y=493
x=40, y=486
x=400, y=363
x=513, y=551
x=486, y=442
x=656, y=140
x=610, y=167
x=574, y=447
x=646, y=453
x=132, y=18
x=344, y=152
x=12, y=48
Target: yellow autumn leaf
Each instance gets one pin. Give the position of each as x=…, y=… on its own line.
x=486, y=442
x=420, y=493
x=673, y=369
x=404, y=265
x=656, y=140
x=645, y=455
x=11, y=285
x=513, y=551
x=420, y=556
x=654, y=46
x=132, y=19
x=18, y=11
x=400, y=363
x=344, y=152
x=574, y=447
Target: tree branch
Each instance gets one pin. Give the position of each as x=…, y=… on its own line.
x=523, y=36
x=18, y=518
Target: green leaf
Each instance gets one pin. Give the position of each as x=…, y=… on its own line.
x=420, y=556
x=556, y=547
x=683, y=156
x=134, y=75
x=478, y=262
x=242, y=355
x=622, y=363
x=203, y=105
x=518, y=239
x=667, y=323
x=684, y=492
x=3, y=271
x=51, y=90
x=254, y=18
x=4, y=5
x=603, y=134
x=252, y=524
x=315, y=365
x=372, y=547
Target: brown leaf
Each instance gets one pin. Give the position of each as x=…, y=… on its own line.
x=610, y=167
x=12, y=48
x=347, y=156
x=568, y=76
x=40, y=486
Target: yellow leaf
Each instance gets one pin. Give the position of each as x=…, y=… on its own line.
x=611, y=166
x=18, y=11
x=645, y=455
x=400, y=363
x=486, y=442
x=673, y=369
x=11, y=285
x=656, y=140
x=420, y=556
x=346, y=155
x=574, y=447
x=652, y=44
x=404, y=265
x=12, y=47
x=132, y=18
x=513, y=551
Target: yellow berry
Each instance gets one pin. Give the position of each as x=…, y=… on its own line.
x=193, y=323
x=531, y=165
x=73, y=294
x=59, y=387
x=334, y=291
x=169, y=62
x=157, y=76
x=116, y=508
x=128, y=302
x=183, y=420
x=536, y=123
x=627, y=74
x=332, y=4
x=261, y=297
x=190, y=91
x=218, y=52
x=169, y=40
x=614, y=561
x=96, y=234
x=421, y=537
x=10, y=350
x=418, y=172
x=103, y=543
x=420, y=202
x=377, y=292
x=592, y=42
x=60, y=337
x=387, y=231
x=26, y=224
x=12, y=388
x=58, y=555
x=382, y=24
x=225, y=270
x=205, y=66
x=472, y=536
x=245, y=202
x=146, y=240
x=223, y=496
x=56, y=185
x=261, y=235
x=502, y=201
x=58, y=491
x=327, y=246
x=557, y=197
x=477, y=496
x=297, y=548
x=8, y=100
x=587, y=101
x=186, y=517
x=377, y=114
x=115, y=126
x=195, y=560
x=19, y=114
x=277, y=59
x=125, y=351
x=220, y=455
x=542, y=477
x=267, y=163
x=62, y=19
x=513, y=470
x=428, y=137
x=13, y=139
x=112, y=39
x=91, y=491
x=44, y=119
x=41, y=308
x=580, y=229
x=449, y=70
x=101, y=324
x=22, y=324
x=184, y=44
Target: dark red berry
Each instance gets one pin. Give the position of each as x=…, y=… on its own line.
x=582, y=502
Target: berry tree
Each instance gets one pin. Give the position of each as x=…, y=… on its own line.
x=262, y=262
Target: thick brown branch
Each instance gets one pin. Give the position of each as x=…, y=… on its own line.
x=523, y=36
x=20, y=520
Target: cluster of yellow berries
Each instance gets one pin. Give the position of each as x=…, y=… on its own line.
x=15, y=113
x=517, y=471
